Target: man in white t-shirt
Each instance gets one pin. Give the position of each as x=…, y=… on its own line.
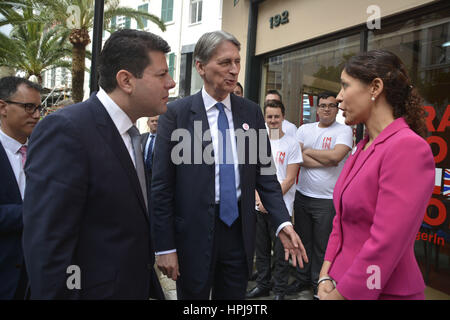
x=288, y=127
x=287, y=157
x=325, y=145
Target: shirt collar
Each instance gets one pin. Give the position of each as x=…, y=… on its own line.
x=11, y=144
x=119, y=117
x=210, y=102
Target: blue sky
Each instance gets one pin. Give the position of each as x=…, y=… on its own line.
x=5, y=29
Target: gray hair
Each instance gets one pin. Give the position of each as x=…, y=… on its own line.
x=208, y=43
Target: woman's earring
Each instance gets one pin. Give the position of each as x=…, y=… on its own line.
x=373, y=98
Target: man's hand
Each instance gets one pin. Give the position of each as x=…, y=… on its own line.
x=168, y=264
x=261, y=207
x=293, y=246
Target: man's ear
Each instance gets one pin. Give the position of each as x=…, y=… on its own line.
x=3, y=110
x=200, y=68
x=125, y=81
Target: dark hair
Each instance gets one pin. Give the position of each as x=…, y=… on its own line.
x=240, y=86
x=400, y=94
x=127, y=50
x=325, y=95
x=274, y=104
x=9, y=85
x=274, y=92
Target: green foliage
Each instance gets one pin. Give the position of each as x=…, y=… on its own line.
x=33, y=46
x=40, y=36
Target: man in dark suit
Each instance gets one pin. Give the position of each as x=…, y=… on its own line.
x=148, y=147
x=204, y=194
x=20, y=106
x=148, y=142
x=86, y=220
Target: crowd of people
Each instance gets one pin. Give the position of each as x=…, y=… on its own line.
x=87, y=202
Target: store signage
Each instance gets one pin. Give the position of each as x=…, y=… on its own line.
x=441, y=190
x=279, y=19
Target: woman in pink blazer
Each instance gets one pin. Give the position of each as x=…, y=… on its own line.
x=384, y=188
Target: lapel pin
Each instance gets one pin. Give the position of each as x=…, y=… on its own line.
x=245, y=126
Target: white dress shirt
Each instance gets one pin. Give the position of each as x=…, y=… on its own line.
x=213, y=116
x=120, y=118
x=12, y=147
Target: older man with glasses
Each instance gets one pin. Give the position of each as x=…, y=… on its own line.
x=20, y=106
x=324, y=145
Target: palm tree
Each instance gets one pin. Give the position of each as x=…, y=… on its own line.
x=57, y=12
x=5, y=6
x=33, y=47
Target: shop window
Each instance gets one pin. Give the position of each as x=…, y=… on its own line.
x=302, y=74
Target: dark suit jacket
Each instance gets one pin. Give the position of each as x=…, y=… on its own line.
x=11, y=256
x=84, y=207
x=184, y=195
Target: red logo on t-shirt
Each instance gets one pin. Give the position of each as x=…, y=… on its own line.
x=280, y=157
x=326, y=143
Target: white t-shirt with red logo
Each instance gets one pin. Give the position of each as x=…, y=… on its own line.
x=319, y=182
x=286, y=151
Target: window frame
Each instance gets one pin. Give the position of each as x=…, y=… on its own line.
x=165, y=9
x=197, y=11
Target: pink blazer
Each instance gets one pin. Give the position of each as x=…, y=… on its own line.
x=380, y=199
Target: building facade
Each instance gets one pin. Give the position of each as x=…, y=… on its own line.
x=186, y=21
x=300, y=47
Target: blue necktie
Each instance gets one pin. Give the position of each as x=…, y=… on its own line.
x=149, y=159
x=228, y=201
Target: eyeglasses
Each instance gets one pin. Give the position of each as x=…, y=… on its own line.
x=330, y=105
x=29, y=107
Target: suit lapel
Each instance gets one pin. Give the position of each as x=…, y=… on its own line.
x=199, y=114
x=8, y=172
x=112, y=138
x=237, y=108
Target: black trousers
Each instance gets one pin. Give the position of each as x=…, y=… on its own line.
x=313, y=223
x=228, y=274
x=20, y=293
x=265, y=241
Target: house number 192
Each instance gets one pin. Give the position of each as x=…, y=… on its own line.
x=278, y=19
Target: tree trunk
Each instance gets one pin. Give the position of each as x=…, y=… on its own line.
x=78, y=65
x=79, y=38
